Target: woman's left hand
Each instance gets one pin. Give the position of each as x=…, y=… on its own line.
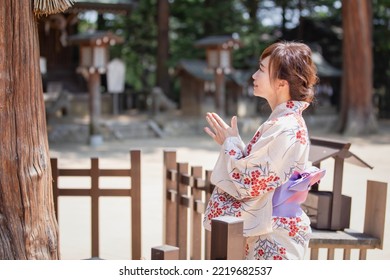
x=219, y=129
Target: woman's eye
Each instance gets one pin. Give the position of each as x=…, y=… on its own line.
x=261, y=67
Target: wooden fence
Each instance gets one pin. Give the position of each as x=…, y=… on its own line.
x=186, y=195
x=185, y=198
x=95, y=192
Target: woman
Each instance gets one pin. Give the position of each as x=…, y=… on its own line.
x=265, y=181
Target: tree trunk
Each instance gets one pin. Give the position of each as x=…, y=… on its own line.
x=28, y=228
x=163, y=46
x=252, y=7
x=357, y=114
x=284, y=19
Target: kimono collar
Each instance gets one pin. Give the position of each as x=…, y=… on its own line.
x=289, y=107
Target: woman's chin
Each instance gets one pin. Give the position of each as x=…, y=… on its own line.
x=257, y=94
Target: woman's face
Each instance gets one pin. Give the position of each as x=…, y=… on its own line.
x=262, y=86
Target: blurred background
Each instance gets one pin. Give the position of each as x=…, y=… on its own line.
x=193, y=56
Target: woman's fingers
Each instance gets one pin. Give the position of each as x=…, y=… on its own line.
x=215, y=137
x=215, y=131
x=220, y=121
x=234, y=123
x=209, y=132
x=211, y=122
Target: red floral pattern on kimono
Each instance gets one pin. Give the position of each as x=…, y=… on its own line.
x=246, y=177
x=288, y=240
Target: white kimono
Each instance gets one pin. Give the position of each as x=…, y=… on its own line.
x=246, y=178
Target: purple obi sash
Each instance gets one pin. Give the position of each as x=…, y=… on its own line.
x=288, y=197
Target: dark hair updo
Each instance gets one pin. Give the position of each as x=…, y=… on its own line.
x=292, y=62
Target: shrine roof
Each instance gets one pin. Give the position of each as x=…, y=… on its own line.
x=104, y=6
x=198, y=69
x=91, y=38
x=215, y=41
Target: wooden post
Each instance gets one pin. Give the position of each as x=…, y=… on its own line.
x=375, y=213
x=336, y=199
x=208, y=233
x=182, y=211
x=347, y=254
x=95, y=206
x=165, y=252
x=169, y=199
x=198, y=210
x=135, y=162
x=227, y=240
x=362, y=254
x=54, y=172
x=314, y=253
x=331, y=253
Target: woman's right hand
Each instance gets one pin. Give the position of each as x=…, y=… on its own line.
x=219, y=129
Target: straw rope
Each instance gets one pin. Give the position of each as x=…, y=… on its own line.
x=48, y=7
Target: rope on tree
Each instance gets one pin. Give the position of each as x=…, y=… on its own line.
x=48, y=7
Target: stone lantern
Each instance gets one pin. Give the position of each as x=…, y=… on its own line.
x=94, y=57
x=219, y=60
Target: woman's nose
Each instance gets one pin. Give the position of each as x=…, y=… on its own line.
x=254, y=75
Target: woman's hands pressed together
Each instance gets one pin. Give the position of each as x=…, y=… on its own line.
x=219, y=129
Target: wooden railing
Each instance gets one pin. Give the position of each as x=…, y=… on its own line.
x=95, y=192
x=186, y=196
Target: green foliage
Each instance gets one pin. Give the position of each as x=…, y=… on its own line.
x=196, y=19
x=186, y=27
x=86, y=22
x=140, y=47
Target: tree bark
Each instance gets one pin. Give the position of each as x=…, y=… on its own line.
x=28, y=228
x=357, y=114
x=163, y=46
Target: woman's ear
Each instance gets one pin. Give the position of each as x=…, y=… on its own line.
x=282, y=83
x=283, y=89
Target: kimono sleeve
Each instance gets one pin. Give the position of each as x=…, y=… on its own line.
x=271, y=161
